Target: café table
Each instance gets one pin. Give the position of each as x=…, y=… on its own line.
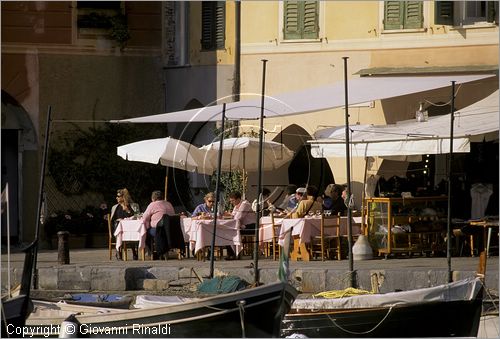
x=199, y=233
x=265, y=229
x=129, y=230
x=487, y=224
x=186, y=223
x=303, y=229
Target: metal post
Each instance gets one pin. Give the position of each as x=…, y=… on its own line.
x=217, y=190
x=63, y=247
x=348, y=174
x=259, y=180
x=450, y=162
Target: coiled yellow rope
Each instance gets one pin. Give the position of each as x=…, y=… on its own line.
x=348, y=292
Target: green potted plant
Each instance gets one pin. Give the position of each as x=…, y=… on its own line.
x=119, y=30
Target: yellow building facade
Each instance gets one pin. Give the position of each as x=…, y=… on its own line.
x=304, y=43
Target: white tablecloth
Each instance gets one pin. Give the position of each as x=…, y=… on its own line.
x=199, y=233
x=305, y=228
x=130, y=230
x=265, y=229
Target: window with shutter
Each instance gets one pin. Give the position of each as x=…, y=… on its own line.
x=413, y=14
x=213, y=25
x=443, y=12
x=300, y=20
x=94, y=19
x=403, y=14
x=461, y=13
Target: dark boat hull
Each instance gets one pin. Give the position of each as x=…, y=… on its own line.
x=450, y=319
x=436, y=319
x=260, y=310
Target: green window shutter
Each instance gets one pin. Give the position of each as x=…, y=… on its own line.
x=213, y=25
x=414, y=14
x=393, y=17
x=490, y=11
x=443, y=13
x=220, y=24
x=291, y=20
x=310, y=22
x=207, y=23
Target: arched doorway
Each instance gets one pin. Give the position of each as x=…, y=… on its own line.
x=18, y=138
x=304, y=169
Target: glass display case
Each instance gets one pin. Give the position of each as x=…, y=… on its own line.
x=406, y=225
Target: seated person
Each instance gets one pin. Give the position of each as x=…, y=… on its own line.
x=300, y=194
x=338, y=206
x=289, y=201
x=242, y=211
x=154, y=213
x=267, y=205
x=207, y=207
x=310, y=203
x=327, y=197
x=122, y=210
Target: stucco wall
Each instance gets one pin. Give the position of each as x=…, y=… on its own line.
x=96, y=87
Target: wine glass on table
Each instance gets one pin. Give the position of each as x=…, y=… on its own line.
x=135, y=209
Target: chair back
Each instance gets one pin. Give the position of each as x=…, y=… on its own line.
x=110, y=228
x=330, y=222
x=169, y=233
x=110, y=235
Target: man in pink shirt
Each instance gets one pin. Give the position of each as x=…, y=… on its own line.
x=155, y=211
x=242, y=212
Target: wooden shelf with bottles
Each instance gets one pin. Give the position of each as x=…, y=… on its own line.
x=406, y=225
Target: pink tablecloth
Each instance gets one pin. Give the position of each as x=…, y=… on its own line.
x=130, y=230
x=199, y=233
x=186, y=224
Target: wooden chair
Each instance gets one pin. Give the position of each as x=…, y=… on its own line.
x=111, y=241
x=168, y=236
x=273, y=246
x=328, y=241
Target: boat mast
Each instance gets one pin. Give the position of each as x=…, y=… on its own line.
x=40, y=197
x=348, y=176
x=260, y=202
x=450, y=162
x=217, y=189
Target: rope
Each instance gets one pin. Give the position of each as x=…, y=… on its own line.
x=348, y=292
x=241, y=306
x=365, y=332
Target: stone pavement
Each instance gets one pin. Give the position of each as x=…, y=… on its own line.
x=91, y=270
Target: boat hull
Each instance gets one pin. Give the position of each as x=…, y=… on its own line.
x=436, y=319
x=260, y=309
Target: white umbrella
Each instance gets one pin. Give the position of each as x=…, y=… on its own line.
x=168, y=152
x=243, y=153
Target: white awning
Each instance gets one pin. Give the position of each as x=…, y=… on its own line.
x=313, y=99
x=411, y=137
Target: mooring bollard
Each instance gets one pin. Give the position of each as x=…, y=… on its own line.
x=63, y=247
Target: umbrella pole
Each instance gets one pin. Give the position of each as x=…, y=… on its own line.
x=166, y=182
x=243, y=176
x=363, y=198
x=348, y=169
x=259, y=182
x=450, y=161
x=217, y=191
